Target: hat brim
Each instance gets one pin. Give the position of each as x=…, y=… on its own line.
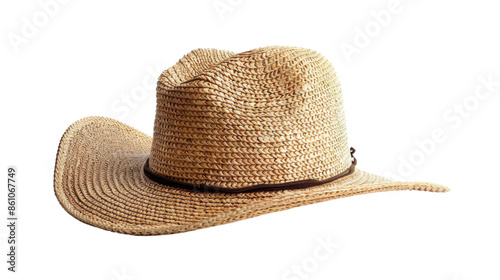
x=99, y=179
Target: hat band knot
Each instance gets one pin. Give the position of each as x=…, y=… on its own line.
x=164, y=180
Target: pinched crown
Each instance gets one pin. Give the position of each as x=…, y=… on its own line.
x=266, y=116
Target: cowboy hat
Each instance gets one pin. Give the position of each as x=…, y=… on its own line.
x=235, y=136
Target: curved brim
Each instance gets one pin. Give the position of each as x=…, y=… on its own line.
x=99, y=179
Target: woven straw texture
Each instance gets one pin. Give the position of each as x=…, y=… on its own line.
x=266, y=116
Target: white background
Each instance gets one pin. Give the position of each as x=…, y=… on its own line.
x=406, y=79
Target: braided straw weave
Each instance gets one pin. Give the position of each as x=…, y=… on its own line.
x=267, y=116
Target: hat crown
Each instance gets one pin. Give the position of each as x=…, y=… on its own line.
x=266, y=116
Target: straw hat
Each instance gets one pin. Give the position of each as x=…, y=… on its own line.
x=235, y=136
